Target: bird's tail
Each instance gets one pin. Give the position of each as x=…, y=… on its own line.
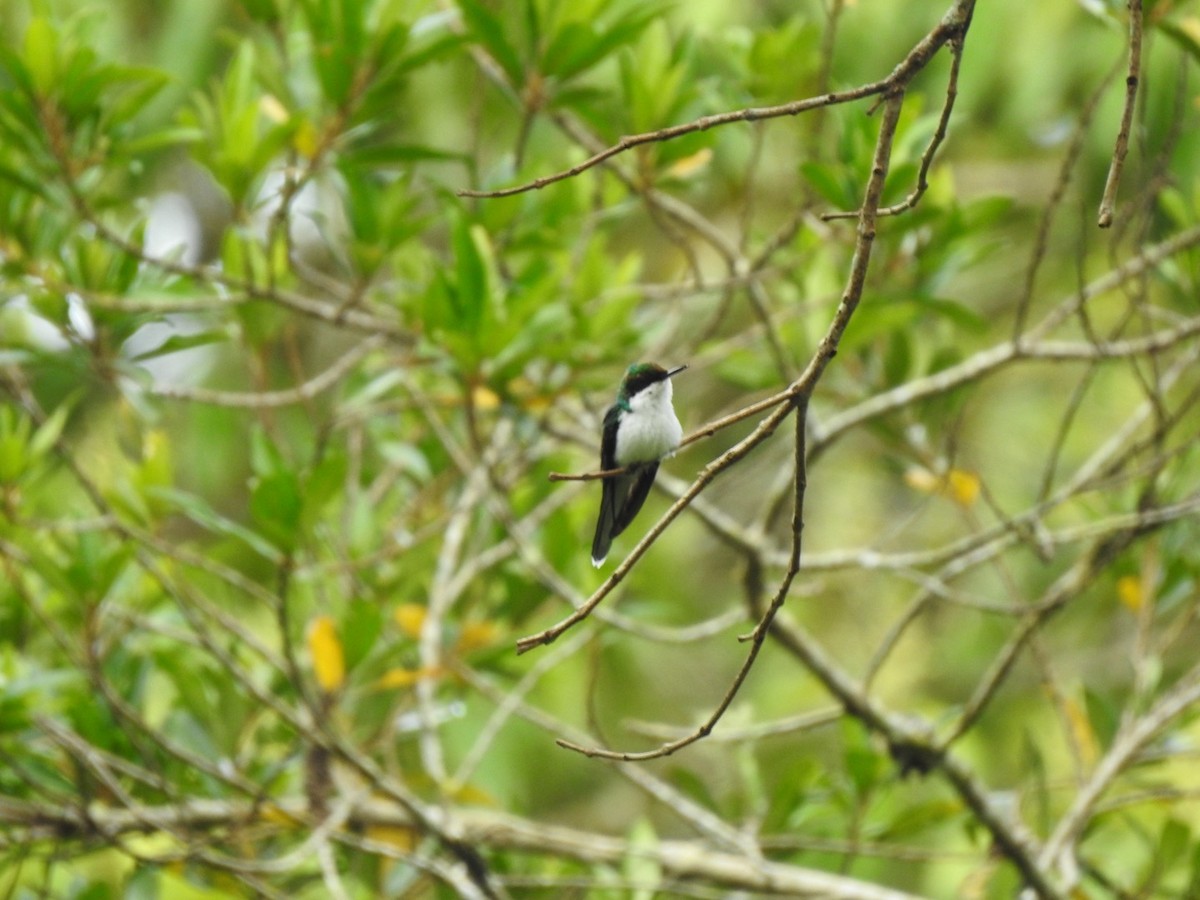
x=606, y=524
x=623, y=498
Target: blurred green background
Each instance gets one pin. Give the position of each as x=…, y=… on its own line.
x=279, y=409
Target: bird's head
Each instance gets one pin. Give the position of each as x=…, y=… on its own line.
x=640, y=376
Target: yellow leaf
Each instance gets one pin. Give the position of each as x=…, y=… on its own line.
x=1190, y=25
x=529, y=395
x=325, y=647
x=1129, y=592
x=964, y=486
x=477, y=634
x=959, y=485
x=484, y=398
x=690, y=165
x=398, y=836
x=402, y=678
x=269, y=812
x=410, y=617
x=468, y=793
x=1081, y=729
x=306, y=140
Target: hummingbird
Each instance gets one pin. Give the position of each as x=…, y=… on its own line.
x=640, y=429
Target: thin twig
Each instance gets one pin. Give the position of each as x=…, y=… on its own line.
x=1108, y=201
x=301, y=393
x=939, y=135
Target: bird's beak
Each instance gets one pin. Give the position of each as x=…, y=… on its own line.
x=675, y=371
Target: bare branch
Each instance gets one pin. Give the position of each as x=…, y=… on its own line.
x=1105, y=217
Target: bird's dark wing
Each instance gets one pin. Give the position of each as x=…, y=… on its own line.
x=606, y=527
x=633, y=493
x=608, y=439
x=622, y=499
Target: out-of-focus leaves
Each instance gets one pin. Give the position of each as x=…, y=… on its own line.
x=485, y=27
x=23, y=448
x=894, y=313
x=163, y=563
x=199, y=511
x=1102, y=715
x=1129, y=592
x=833, y=182
x=641, y=866
x=1185, y=32
x=654, y=80
x=173, y=343
x=579, y=45
x=276, y=504
x=959, y=485
x=397, y=679
x=694, y=787
x=410, y=617
x=748, y=369
x=361, y=627
x=68, y=95
x=863, y=763
x=1168, y=852
x=242, y=140
x=776, y=59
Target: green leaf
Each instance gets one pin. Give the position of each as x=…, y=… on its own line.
x=394, y=155
x=830, y=182
x=14, y=440
x=41, y=55
x=95, y=565
x=694, y=787
x=579, y=45
x=642, y=868
x=910, y=821
x=161, y=139
x=276, y=504
x=1186, y=34
x=473, y=283
x=176, y=343
x=339, y=44
x=51, y=429
x=1193, y=886
x=569, y=47
x=31, y=185
x=488, y=31
x=1103, y=716
x=623, y=31
x=324, y=482
x=1173, y=842
x=197, y=510
x=360, y=629
x=898, y=358
x=863, y=764
x=750, y=370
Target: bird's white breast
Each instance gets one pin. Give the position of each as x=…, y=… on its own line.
x=649, y=430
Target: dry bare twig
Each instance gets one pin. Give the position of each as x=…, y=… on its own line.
x=1108, y=200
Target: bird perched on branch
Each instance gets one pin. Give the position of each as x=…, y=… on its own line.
x=640, y=429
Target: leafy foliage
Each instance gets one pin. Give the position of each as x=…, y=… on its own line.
x=278, y=408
